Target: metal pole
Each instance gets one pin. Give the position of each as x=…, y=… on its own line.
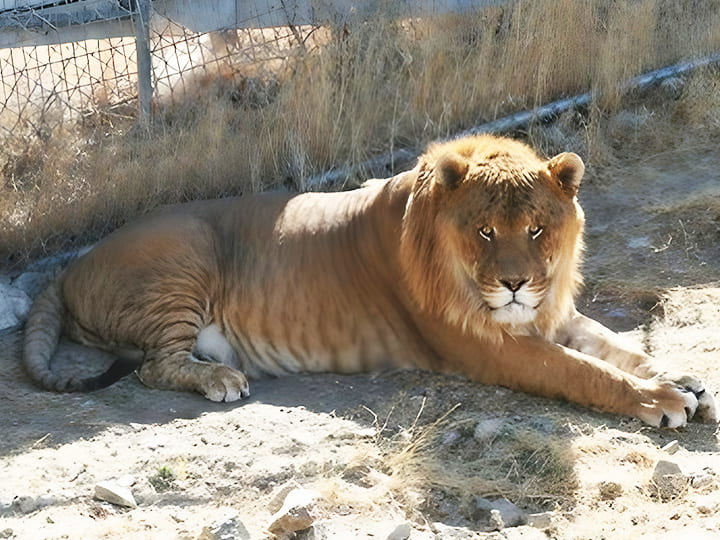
x=144, y=60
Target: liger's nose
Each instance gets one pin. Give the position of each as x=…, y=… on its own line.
x=513, y=284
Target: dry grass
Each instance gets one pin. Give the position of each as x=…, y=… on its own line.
x=415, y=470
x=363, y=90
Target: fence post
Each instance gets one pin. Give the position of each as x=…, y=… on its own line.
x=143, y=58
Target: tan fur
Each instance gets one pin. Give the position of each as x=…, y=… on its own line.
x=468, y=263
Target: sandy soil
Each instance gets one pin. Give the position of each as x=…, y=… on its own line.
x=389, y=449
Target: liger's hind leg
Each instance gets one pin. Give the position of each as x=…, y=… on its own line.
x=180, y=370
x=178, y=362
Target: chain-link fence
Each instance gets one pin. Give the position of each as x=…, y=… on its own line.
x=65, y=59
x=45, y=85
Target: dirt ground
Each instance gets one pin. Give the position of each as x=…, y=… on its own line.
x=393, y=449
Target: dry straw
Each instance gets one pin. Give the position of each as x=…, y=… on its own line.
x=359, y=91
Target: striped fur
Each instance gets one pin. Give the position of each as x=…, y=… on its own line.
x=468, y=263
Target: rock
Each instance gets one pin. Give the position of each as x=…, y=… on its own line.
x=318, y=531
x=144, y=492
x=280, y=493
x=25, y=504
x=14, y=306
x=664, y=467
x=702, y=481
x=497, y=522
x=32, y=283
x=7, y=533
x=112, y=492
x=669, y=480
x=228, y=527
x=358, y=474
x=401, y=532
x=542, y=520
x=489, y=429
x=498, y=513
x=609, y=491
x=48, y=500
x=671, y=447
x=450, y=437
x=298, y=512
x=447, y=532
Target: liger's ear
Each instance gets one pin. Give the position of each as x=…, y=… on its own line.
x=568, y=169
x=450, y=170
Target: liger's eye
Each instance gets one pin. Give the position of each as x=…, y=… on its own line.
x=535, y=232
x=486, y=232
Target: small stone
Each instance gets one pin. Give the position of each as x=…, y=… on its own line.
x=702, y=480
x=228, y=527
x=664, y=467
x=542, y=520
x=489, y=429
x=7, y=533
x=114, y=493
x=609, y=491
x=47, y=500
x=401, y=532
x=669, y=480
x=144, y=493
x=448, y=532
x=318, y=531
x=450, y=437
x=298, y=512
x=32, y=283
x=280, y=493
x=498, y=513
x=671, y=447
x=25, y=504
x=359, y=475
x=496, y=520
x=14, y=306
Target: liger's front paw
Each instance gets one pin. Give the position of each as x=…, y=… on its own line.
x=673, y=401
x=706, y=411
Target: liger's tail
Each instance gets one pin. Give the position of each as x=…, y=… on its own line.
x=42, y=334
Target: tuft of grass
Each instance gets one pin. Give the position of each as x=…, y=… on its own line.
x=163, y=479
x=343, y=96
